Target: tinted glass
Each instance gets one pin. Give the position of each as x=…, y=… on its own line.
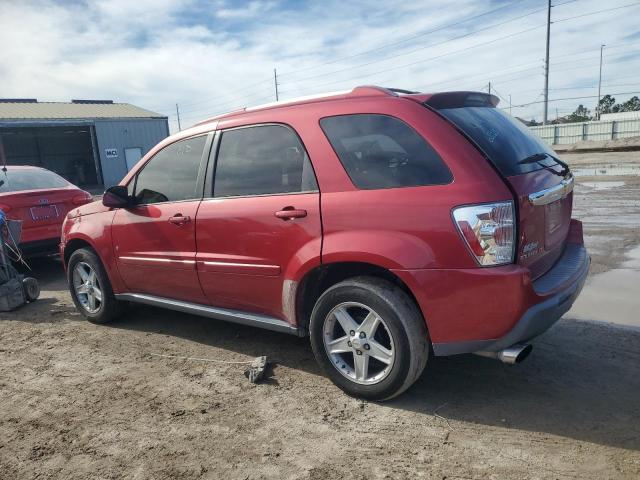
x=504, y=139
x=172, y=174
x=15, y=180
x=262, y=160
x=379, y=151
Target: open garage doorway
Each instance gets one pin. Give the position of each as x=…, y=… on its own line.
x=67, y=150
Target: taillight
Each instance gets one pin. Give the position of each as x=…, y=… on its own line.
x=81, y=199
x=488, y=231
x=5, y=208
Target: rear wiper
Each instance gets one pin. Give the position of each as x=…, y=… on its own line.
x=538, y=157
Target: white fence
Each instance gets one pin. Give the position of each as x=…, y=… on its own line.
x=567, y=133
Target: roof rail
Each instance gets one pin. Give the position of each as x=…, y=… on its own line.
x=360, y=91
x=96, y=102
x=18, y=100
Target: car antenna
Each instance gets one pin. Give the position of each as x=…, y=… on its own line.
x=3, y=159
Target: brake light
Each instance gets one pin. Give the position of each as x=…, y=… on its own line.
x=488, y=231
x=5, y=208
x=84, y=197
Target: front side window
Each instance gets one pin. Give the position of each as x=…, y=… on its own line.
x=262, y=160
x=379, y=151
x=172, y=174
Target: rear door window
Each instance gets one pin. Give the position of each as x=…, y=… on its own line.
x=379, y=151
x=262, y=160
x=504, y=140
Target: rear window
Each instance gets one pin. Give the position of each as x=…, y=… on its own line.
x=503, y=139
x=36, y=179
x=378, y=151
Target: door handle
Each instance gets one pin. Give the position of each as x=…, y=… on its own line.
x=289, y=213
x=179, y=219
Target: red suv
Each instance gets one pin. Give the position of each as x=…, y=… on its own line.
x=382, y=223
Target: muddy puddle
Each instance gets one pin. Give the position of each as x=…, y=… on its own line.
x=602, y=185
x=607, y=171
x=612, y=296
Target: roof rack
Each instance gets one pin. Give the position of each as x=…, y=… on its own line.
x=360, y=91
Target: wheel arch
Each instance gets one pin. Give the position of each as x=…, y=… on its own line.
x=76, y=244
x=320, y=278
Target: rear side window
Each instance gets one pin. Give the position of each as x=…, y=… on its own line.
x=172, y=174
x=379, y=151
x=262, y=160
x=32, y=179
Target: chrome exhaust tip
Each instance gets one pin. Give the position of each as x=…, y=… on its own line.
x=512, y=355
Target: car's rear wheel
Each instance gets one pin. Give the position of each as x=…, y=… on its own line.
x=90, y=287
x=369, y=337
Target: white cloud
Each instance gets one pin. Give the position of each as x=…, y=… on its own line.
x=212, y=57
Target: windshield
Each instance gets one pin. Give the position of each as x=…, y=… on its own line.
x=504, y=139
x=15, y=180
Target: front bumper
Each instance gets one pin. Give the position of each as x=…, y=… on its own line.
x=560, y=287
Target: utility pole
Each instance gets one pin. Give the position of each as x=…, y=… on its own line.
x=178, y=115
x=546, y=66
x=489, y=88
x=509, y=104
x=275, y=83
x=600, y=81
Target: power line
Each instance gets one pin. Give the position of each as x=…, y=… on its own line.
x=304, y=79
x=465, y=49
x=399, y=42
x=431, y=58
x=574, y=98
x=217, y=105
x=596, y=12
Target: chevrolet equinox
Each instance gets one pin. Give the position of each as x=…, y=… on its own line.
x=386, y=225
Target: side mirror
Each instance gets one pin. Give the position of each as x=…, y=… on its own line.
x=116, y=197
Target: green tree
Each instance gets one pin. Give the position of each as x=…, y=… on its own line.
x=631, y=105
x=582, y=114
x=605, y=105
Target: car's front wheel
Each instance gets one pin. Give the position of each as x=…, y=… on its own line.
x=90, y=287
x=369, y=337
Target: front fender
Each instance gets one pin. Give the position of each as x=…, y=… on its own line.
x=94, y=230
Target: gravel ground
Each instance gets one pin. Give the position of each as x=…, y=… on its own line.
x=80, y=401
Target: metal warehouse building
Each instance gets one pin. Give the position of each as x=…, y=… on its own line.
x=91, y=143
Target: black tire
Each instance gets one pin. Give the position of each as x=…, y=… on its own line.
x=402, y=320
x=109, y=308
x=31, y=289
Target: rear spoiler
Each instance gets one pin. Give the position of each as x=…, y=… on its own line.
x=462, y=99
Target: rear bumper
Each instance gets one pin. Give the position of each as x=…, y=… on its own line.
x=561, y=286
x=489, y=309
x=40, y=247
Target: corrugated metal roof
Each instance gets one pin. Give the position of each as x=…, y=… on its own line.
x=63, y=110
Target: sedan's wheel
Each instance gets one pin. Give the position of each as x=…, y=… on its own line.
x=359, y=343
x=90, y=287
x=87, y=287
x=369, y=337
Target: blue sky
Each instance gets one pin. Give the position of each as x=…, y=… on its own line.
x=219, y=55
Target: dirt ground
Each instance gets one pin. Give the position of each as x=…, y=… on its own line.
x=80, y=401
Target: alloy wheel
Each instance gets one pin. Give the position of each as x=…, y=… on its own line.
x=359, y=343
x=87, y=287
